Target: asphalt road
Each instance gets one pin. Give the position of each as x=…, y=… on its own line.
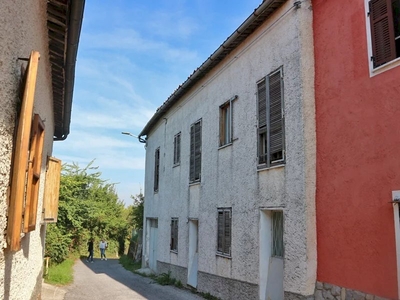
x=109, y=280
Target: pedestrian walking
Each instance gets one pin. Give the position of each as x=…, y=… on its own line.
x=103, y=247
x=90, y=250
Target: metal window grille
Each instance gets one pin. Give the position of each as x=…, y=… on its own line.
x=174, y=234
x=224, y=231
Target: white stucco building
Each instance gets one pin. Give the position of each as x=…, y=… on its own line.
x=38, y=46
x=230, y=165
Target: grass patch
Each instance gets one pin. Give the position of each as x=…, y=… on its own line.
x=129, y=264
x=61, y=274
x=208, y=296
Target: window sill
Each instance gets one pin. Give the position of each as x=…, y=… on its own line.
x=225, y=146
x=265, y=168
x=386, y=67
x=176, y=165
x=195, y=183
x=174, y=251
x=223, y=255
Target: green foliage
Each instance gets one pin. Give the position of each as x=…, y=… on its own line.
x=56, y=244
x=88, y=208
x=129, y=264
x=165, y=279
x=60, y=274
x=208, y=296
x=137, y=211
x=178, y=284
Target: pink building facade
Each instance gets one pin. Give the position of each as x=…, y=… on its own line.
x=357, y=94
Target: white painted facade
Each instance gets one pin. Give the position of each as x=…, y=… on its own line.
x=23, y=28
x=229, y=175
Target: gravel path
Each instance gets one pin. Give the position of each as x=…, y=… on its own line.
x=109, y=280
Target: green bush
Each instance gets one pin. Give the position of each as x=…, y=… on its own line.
x=57, y=244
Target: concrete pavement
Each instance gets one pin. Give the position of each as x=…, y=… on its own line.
x=109, y=280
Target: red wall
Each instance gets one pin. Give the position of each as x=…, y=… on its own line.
x=358, y=154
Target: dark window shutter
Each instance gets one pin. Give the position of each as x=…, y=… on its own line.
x=156, y=169
x=195, y=151
x=178, y=150
x=220, y=247
x=227, y=238
x=262, y=104
x=382, y=32
x=192, y=153
x=198, y=150
x=276, y=121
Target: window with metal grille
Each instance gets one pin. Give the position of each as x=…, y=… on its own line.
x=271, y=138
x=174, y=234
x=177, y=149
x=384, y=16
x=156, y=169
x=225, y=122
x=224, y=231
x=195, y=152
x=277, y=234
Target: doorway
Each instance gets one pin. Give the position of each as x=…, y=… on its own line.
x=193, y=253
x=271, y=255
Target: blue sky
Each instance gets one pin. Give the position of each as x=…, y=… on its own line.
x=132, y=56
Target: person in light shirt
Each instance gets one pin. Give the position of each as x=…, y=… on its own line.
x=103, y=247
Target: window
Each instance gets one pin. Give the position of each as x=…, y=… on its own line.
x=277, y=233
x=271, y=145
x=177, y=149
x=18, y=196
x=224, y=231
x=225, y=122
x=195, y=152
x=156, y=169
x=174, y=234
x=385, y=30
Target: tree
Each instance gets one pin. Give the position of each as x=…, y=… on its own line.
x=88, y=208
x=137, y=211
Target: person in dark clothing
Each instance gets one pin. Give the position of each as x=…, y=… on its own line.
x=90, y=250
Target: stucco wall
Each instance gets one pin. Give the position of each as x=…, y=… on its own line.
x=22, y=29
x=229, y=176
x=357, y=154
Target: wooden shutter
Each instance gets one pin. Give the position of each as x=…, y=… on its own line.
x=20, y=158
x=262, y=104
x=382, y=32
x=52, y=190
x=34, y=170
x=156, y=169
x=197, y=158
x=178, y=148
x=195, y=151
x=276, y=120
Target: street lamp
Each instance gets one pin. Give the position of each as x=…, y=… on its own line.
x=142, y=140
x=130, y=134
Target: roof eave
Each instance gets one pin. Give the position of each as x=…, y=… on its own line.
x=64, y=27
x=255, y=20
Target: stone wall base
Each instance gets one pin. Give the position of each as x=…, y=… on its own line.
x=177, y=272
x=226, y=288
x=334, y=292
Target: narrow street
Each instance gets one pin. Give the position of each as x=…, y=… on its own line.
x=109, y=280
